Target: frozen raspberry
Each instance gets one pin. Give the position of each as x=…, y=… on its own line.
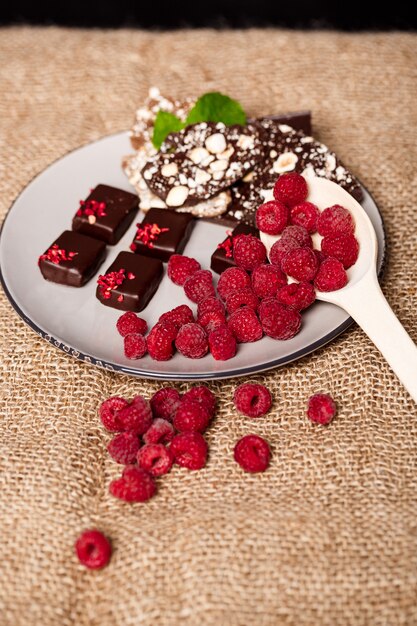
x=155, y=458
x=248, y=252
x=192, y=341
x=124, y=447
x=300, y=263
x=279, y=321
x=222, y=344
x=181, y=267
x=160, y=431
x=272, y=217
x=344, y=248
x=165, y=402
x=305, y=215
x=200, y=285
x=210, y=320
x=137, y=416
x=231, y=280
x=335, y=220
x=266, y=280
x=129, y=323
x=300, y=234
x=291, y=189
x=280, y=249
x=252, y=453
x=240, y=298
x=297, y=296
x=331, y=275
x=135, y=346
x=192, y=415
x=202, y=394
x=108, y=412
x=93, y=549
x=321, y=408
x=252, y=399
x=161, y=341
x=134, y=485
x=189, y=450
x=210, y=304
x=179, y=316
x=245, y=325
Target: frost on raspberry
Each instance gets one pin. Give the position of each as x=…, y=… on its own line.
x=199, y=286
x=134, y=485
x=301, y=264
x=165, y=402
x=266, y=280
x=108, y=412
x=248, y=252
x=130, y=323
x=290, y=189
x=155, y=458
x=330, y=276
x=252, y=399
x=321, y=408
x=279, y=321
x=297, y=296
x=190, y=450
x=181, y=267
x=222, y=344
x=192, y=341
x=245, y=325
x=193, y=416
x=124, y=447
x=272, y=217
x=93, y=549
x=134, y=346
x=306, y=215
x=240, y=298
x=252, y=453
x=178, y=316
x=335, y=220
x=160, y=431
x=344, y=248
x=232, y=279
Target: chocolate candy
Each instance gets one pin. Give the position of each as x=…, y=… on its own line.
x=130, y=282
x=72, y=259
x=162, y=233
x=106, y=214
x=222, y=257
x=299, y=120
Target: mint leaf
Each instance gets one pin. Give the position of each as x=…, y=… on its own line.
x=216, y=107
x=165, y=123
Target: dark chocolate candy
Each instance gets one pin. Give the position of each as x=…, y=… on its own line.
x=72, y=259
x=222, y=257
x=106, y=214
x=130, y=282
x=299, y=120
x=162, y=232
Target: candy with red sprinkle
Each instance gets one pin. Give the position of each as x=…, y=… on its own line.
x=93, y=549
x=290, y=189
x=252, y=453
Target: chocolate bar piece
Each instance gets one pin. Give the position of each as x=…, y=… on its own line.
x=162, y=232
x=299, y=120
x=106, y=214
x=222, y=257
x=130, y=282
x=72, y=259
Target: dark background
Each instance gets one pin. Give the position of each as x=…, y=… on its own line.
x=165, y=14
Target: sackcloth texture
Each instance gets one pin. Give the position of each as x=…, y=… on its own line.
x=327, y=536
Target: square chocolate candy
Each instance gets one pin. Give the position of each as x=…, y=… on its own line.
x=72, y=259
x=106, y=214
x=222, y=257
x=130, y=282
x=162, y=233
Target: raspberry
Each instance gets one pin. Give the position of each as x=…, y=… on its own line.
x=210, y=320
x=335, y=220
x=137, y=416
x=301, y=264
x=331, y=275
x=181, y=267
x=165, y=402
x=272, y=217
x=155, y=458
x=252, y=453
x=135, y=346
x=280, y=249
x=134, y=485
x=245, y=325
x=160, y=431
x=344, y=248
x=192, y=415
x=124, y=447
x=300, y=234
x=321, y=408
x=248, y=252
x=189, y=450
x=305, y=215
x=108, y=412
x=232, y=279
x=222, y=344
x=192, y=341
x=297, y=296
x=202, y=394
x=210, y=304
x=266, y=280
x=252, y=399
x=93, y=549
x=240, y=298
x=279, y=321
x=291, y=189
x=130, y=323
x=200, y=285
x=160, y=341
x=179, y=316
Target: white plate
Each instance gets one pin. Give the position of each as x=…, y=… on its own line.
x=74, y=320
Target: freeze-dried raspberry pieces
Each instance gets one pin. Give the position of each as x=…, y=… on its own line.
x=129, y=323
x=298, y=296
x=344, y=248
x=331, y=275
x=252, y=399
x=124, y=447
x=192, y=341
x=134, y=485
x=266, y=280
x=245, y=325
x=189, y=450
x=137, y=416
x=200, y=285
x=179, y=316
x=202, y=394
x=192, y=415
x=108, y=412
x=93, y=549
x=300, y=234
x=155, y=458
x=134, y=346
x=280, y=249
x=306, y=215
x=181, y=267
x=160, y=341
x=279, y=321
x=252, y=453
x=272, y=217
x=222, y=344
x=291, y=189
x=232, y=279
x=210, y=304
x=248, y=252
x=335, y=220
x=160, y=431
x=240, y=298
x=165, y=402
x=301, y=264
x=321, y=408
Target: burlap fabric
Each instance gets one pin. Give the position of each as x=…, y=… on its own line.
x=328, y=535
